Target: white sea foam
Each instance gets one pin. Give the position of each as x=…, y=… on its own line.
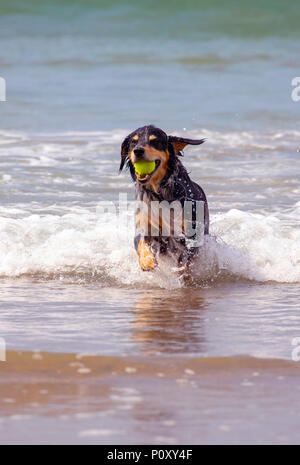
x=53, y=234
x=246, y=245
x=49, y=143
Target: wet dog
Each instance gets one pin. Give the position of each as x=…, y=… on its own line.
x=162, y=178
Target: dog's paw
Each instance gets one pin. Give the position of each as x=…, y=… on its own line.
x=146, y=257
x=147, y=263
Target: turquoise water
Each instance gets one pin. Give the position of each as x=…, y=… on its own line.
x=91, y=66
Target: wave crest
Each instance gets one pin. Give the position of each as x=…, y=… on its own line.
x=241, y=246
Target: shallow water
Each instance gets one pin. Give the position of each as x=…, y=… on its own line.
x=215, y=320
x=207, y=360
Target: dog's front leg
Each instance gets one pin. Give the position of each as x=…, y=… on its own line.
x=146, y=256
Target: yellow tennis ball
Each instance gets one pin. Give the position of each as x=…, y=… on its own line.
x=144, y=167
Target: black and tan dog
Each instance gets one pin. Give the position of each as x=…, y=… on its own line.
x=168, y=181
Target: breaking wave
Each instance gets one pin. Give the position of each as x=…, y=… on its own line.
x=91, y=244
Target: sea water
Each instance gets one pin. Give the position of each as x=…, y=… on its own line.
x=211, y=359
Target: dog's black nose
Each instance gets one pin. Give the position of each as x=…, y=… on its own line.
x=139, y=152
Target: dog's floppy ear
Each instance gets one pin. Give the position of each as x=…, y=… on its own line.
x=124, y=152
x=179, y=143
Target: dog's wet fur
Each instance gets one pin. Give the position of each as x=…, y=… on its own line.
x=169, y=181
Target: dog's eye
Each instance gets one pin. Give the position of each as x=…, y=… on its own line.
x=156, y=143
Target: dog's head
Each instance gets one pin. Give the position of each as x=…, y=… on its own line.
x=151, y=144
